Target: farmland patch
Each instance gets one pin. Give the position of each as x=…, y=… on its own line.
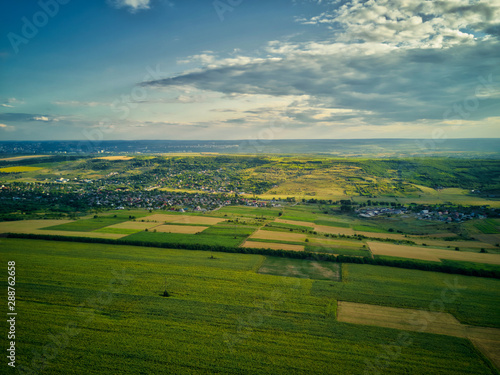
x=424, y=253
x=487, y=340
x=295, y=222
x=281, y=236
x=301, y=268
x=272, y=245
x=185, y=219
x=18, y=169
x=334, y=230
x=189, y=229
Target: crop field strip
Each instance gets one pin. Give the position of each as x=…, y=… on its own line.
x=300, y=331
x=274, y=235
x=171, y=228
x=300, y=268
x=486, y=339
x=425, y=253
x=139, y=225
x=295, y=222
x=334, y=230
x=272, y=245
x=35, y=227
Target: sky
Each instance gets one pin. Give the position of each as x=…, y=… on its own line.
x=249, y=69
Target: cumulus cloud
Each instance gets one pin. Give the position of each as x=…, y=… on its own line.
x=412, y=23
x=76, y=103
x=41, y=118
x=386, y=62
x=11, y=102
x=6, y=127
x=132, y=5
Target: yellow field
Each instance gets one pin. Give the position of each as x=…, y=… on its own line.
x=161, y=218
x=279, y=236
x=33, y=226
x=183, y=219
x=294, y=222
x=275, y=246
x=27, y=226
x=455, y=195
x=18, y=169
x=335, y=243
x=25, y=157
x=134, y=225
x=334, y=230
x=187, y=229
x=487, y=340
x=116, y=157
x=198, y=220
x=425, y=253
x=398, y=318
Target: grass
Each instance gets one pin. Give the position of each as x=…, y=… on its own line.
x=88, y=225
x=286, y=227
x=301, y=268
x=487, y=226
x=18, y=169
x=247, y=212
x=332, y=223
x=217, y=235
x=117, y=230
x=222, y=317
x=366, y=228
x=337, y=250
x=477, y=302
x=272, y=245
x=472, y=265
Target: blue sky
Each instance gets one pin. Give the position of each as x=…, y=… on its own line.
x=241, y=69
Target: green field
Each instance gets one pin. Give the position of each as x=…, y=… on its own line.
x=338, y=250
x=478, y=301
x=217, y=235
x=88, y=225
x=222, y=316
x=247, y=212
x=488, y=226
x=308, y=269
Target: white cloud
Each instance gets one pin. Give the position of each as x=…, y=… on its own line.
x=41, y=118
x=412, y=23
x=387, y=64
x=76, y=103
x=6, y=127
x=132, y=5
x=11, y=102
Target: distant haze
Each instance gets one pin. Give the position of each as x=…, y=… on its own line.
x=459, y=148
